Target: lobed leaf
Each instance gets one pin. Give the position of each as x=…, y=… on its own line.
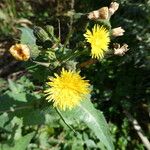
x=20, y=144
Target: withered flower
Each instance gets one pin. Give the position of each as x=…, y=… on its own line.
x=120, y=50
x=101, y=13
x=113, y=8
x=20, y=52
x=118, y=31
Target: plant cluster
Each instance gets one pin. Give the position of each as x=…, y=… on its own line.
x=52, y=104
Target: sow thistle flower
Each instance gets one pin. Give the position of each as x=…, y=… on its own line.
x=20, y=52
x=67, y=90
x=99, y=39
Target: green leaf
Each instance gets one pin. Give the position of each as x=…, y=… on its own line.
x=20, y=102
x=20, y=144
x=3, y=84
x=13, y=87
x=28, y=38
x=94, y=119
x=22, y=108
x=4, y=122
x=17, y=91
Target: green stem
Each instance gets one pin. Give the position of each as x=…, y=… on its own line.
x=16, y=108
x=67, y=39
x=41, y=63
x=59, y=113
x=73, y=55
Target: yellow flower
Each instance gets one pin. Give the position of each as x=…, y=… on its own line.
x=67, y=90
x=99, y=40
x=20, y=52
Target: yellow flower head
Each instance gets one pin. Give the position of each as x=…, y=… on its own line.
x=20, y=52
x=99, y=40
x=67, y=90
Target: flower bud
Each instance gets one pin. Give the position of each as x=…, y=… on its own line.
x=50, y=30
x=113, y=8
x=101, y=13
x=40, y=34
x=120, y=50
x=20, y=52
x=117, y=31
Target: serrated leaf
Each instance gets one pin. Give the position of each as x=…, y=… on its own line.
x=20, y=144
x=4, y=122
x=3, y=84
x=94, y=119
x=13, y=87
x=17, y=91
x=21, y=108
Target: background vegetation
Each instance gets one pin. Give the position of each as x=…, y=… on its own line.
x=121, y=88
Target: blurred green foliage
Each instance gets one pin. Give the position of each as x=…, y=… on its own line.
x=121, y=83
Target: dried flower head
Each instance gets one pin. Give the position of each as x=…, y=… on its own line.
x=67, y=90
x=20, y=52
x=101, y=13
x=120, y=50
x=118, y=32
x=99, y=39
x=113, y=8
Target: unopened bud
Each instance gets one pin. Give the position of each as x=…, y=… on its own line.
x=40, y=34
x=113, y=8
x=117, y=31
x=101, y=13
x=120, y=50
x=20, y=52
x=50, y=30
